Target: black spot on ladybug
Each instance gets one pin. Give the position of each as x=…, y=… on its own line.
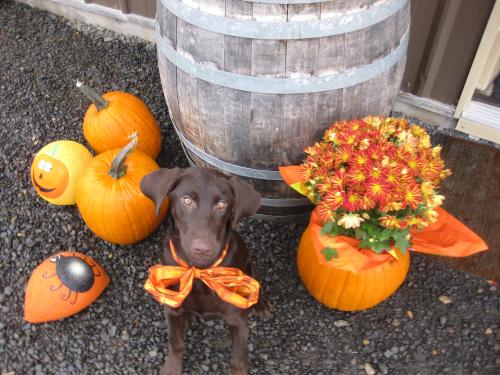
x=75, y=273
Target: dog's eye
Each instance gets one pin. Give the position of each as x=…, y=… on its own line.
x=221, y=205
x=187, y=201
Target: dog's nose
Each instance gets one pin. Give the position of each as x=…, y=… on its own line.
x=201, y=247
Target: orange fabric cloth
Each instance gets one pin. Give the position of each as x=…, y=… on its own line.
x=448, y=237
x=230, y=284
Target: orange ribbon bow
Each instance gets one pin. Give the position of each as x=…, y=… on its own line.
x=230, y=284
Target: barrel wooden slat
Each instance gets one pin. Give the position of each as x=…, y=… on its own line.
x=269, y=12
x=238, y=55
x=375, y=48
x=378, y=40
x=238, y=9
x=366, y=98
x=212, y=129
x=168, y=25
x=303, y=12
x=266, y=129
x=268, y=58
x=210, y=49
x=297, y=126
x=210, y=44
x=187, y=39
x=403, y=19
x=329, y=105
x=169, y=84
x=331, y=54
x=332, y=8
x=217, y=108
x=302, y=56
x=187, y=94
x=237, y=110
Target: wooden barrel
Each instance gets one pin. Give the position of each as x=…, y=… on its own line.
x=249, y=84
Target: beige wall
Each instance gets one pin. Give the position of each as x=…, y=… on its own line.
x=445, y=35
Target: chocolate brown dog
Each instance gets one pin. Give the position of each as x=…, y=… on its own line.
x=205, y=208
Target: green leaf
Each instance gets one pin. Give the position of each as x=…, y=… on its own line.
x=400, y=234
x=328, y=227
x=380, y=246
x=360, y=234
x=402, y=244
x=365, y=244
x=329, y=253
x=385, y=234
x=370, y=227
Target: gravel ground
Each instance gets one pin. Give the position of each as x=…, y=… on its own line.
x=124, y=331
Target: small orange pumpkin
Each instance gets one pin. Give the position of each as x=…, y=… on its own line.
x=346, y=290
x=61, y=286
x=109, y=197
x=56, y=169
x=115, y=115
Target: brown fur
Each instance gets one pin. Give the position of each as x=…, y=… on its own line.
x=199, y=231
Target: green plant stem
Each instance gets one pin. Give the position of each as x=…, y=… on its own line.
x=118, y=167
x=92, y=95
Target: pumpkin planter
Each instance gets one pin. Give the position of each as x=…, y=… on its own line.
x=115, y=115
x=375, y=183
x=346, y=290
x=109, y=197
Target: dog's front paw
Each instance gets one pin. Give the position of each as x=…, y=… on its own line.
x=263, y=308
x=172, y=366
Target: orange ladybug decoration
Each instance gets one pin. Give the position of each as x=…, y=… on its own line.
x=61, y=286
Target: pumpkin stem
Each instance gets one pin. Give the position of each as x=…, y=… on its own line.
x=118, y=167
x=91, y=94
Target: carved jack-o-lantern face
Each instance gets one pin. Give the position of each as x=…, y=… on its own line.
x=50, y=176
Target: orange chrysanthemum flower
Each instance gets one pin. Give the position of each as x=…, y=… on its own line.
x=325, y=212
x=392, y=205
x=356, y=175
x=373, y=168
x=360, y=158
x=343, y=153
x=413, y=196
x=377, y=189
x=334, y=199
x=353, y=202
x=390, y=221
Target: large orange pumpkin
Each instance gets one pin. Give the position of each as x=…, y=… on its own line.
x=109, y=197
x=115, y=115
x=346, y=290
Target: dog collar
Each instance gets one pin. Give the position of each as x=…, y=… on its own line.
x=229, y=283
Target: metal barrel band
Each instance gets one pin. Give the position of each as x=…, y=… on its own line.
x=269, y=202
x=262, y=174
x=304, y=217
x=335, y=25
x=288, y=2
x=268, y=85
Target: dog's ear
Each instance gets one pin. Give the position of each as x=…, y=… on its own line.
x=156, y=185
x=247, y=201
